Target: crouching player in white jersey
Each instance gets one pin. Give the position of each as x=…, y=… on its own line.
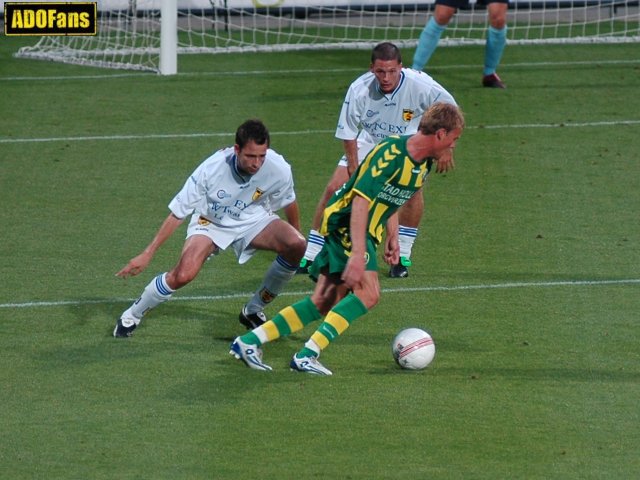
x=232, y=198
x=387, y=100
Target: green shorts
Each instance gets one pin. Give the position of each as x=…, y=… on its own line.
x=336, y=252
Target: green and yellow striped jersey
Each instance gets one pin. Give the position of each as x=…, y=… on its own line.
x=387, y=177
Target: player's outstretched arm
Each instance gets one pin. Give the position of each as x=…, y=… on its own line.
x=138, y=263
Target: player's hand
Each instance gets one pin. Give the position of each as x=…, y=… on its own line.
x=445, y=163
x=135, y=266
x=354, y=271
x=391, y=251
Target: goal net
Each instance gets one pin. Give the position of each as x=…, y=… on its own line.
x=149, y=34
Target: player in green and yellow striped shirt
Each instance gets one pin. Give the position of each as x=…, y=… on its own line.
x=353, y=226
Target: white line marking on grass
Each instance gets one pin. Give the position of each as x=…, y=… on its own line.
x=443, y=288
x=161, y=136
x=148, y=136
x=560, y=125
x=309, y=71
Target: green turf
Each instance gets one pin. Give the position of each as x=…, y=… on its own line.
x=526, y=273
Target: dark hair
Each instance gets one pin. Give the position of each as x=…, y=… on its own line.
x=254, y=130
x=386, y=51
x=441, y=115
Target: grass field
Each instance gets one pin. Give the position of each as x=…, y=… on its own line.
x=527, y=273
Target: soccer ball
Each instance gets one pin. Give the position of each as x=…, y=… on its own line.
x=413, y=349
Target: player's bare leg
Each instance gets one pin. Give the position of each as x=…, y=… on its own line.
x=196, y=250
x=280, y=237
x=315, y=241
x=496, y=41
x=344, y=307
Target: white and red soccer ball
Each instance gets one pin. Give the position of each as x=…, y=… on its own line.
x=413, y=349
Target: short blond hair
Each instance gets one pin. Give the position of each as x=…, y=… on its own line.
x=441, y=115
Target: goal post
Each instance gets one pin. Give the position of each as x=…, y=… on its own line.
x=149, y=35
x=168, y=63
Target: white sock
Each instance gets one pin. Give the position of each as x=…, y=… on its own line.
x=406, y=238
x=315, y=243
x=311, y=345
x=277, y=276
x=154, y=294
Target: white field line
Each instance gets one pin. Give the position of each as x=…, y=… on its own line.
x=313, y=71
x=161, y=136
x=443, y=288
x=154, y=136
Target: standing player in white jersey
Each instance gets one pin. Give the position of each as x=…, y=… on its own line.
x=387, y=100
x=232, y=198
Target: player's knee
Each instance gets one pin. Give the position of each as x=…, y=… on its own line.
x=375, y=299
x=298, y=246
x=293, y=248
x=498, y=22
x=371, y=299
x=329, y=191
x=498, y=15
x=338, y=179
x=370, y=296
x=179, y=278
x=323, y=304
x=443, y=17
x=326, y=195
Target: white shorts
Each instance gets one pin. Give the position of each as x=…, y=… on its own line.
x=238, y=238
x=363, y=149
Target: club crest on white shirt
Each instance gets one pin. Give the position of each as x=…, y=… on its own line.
x=257, y=194
x=407, y=114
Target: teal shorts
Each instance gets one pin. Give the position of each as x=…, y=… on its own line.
x=336, y=252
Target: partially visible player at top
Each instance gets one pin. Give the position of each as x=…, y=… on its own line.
x=354, y=224
x=232, y=198
x=387, y=100
x=495, y=42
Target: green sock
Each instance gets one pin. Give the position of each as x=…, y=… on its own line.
x=336, y=322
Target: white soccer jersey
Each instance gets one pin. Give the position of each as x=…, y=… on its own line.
x=371, y=116
x=217, y=191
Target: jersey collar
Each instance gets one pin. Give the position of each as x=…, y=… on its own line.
x=245, y=177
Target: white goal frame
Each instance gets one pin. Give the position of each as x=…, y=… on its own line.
x=150, y=34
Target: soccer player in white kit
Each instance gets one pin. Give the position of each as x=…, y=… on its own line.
x=387, y=100
x=232, y=197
